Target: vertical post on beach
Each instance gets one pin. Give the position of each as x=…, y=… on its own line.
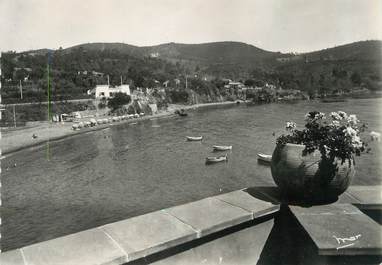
x=14, y=115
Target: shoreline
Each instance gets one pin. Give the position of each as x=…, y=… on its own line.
x=13, y=141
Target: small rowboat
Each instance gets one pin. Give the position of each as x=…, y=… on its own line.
x=264, y=158
x=222, y=147
x=194, y=138
x=214, y=159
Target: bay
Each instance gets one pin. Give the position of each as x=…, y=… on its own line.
x=130, y=169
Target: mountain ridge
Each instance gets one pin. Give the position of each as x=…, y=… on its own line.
x=230, y=52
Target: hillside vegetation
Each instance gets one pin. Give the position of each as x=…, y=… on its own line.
x=76, y=69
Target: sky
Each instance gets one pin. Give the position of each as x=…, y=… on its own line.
x=275, y=25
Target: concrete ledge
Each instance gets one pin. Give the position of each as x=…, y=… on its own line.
x=141, y=236
x=13, y=257
x=146, y=234
x=242, y=199
x=210, y=215
x=369, y=197
x=347, y=198
x=340, y=229
x=88, y=247
x=241, y=247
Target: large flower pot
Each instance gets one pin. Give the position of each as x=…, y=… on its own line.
x=309, y=177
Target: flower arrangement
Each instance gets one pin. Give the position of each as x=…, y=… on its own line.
x=335, y=136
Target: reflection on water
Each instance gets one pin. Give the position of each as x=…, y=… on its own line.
x=128, y=170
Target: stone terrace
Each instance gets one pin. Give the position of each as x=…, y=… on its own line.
x=252, y=226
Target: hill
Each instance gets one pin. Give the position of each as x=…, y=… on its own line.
x=362, y=51
x=121, y=48
x=335, y=69
x=78, y=68
x=211, y=53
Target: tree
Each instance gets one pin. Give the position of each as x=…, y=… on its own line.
x=249, y=82
x=356, y=78
x=323, y=85
x=118, y=101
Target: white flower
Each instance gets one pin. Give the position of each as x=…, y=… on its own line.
x=307, y=117
x=342, y=114
x=290, y=125
x=352, y=119
x=335, y=116
x=356, y=142
x=349, y=131
x=320, y=115
x=335, y=124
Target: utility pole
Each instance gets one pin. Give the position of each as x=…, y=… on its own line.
x=14, y=114
x=186, y=81
x=21, y=90
x=48, y=70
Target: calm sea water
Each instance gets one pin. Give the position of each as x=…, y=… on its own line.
x=105, y=176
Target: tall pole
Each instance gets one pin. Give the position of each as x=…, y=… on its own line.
x=21, y=90
x=48, y=92
x=14, y=114
x=49, y=114
x=186, y=81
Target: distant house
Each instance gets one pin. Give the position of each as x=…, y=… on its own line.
x=106, y=91
x=154, y=54
x=98, y=74
x=234, y=85
x=27, y=69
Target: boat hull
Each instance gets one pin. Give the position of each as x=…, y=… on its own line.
x=221, y=148
x=212, y=160
x=190, y=138
x=264, y=158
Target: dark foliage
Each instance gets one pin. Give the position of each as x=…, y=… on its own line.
x=118, y=101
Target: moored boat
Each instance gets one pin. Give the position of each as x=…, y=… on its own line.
x=194, y=138
x=264, y=158
x=222, y=147
x=181, y=112
x=214, y=159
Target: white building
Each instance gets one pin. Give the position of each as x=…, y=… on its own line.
x=106, y=91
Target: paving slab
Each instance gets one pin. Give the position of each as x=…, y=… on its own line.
x=369, y=197
x=242, y=247
x=340, y=229
x=88, y=247
x=13, y=257
x=150, y=233
x=242, y=199
x=346, y=198
x=210, y=215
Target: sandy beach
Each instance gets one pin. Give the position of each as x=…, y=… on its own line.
x=16, y=139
